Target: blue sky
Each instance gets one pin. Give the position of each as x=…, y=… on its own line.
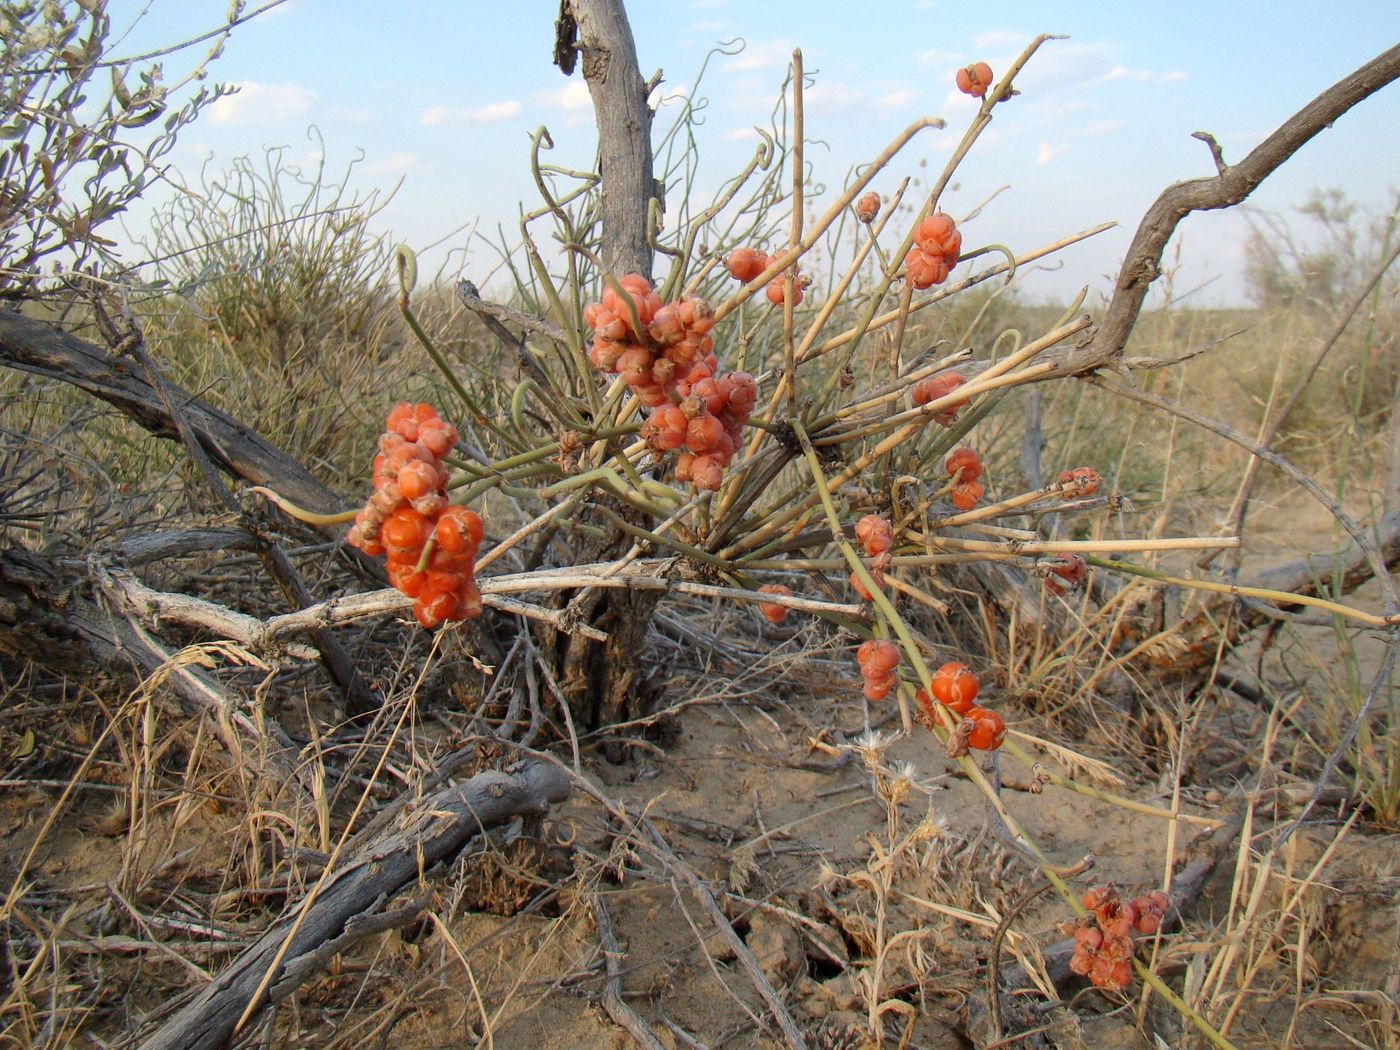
x=443, y=97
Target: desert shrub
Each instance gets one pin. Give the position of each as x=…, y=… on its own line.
x=275, y=299
x=1302, y=274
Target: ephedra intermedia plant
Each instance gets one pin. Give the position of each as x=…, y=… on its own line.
x=767, y=435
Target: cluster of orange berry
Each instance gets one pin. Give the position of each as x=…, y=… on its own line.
x=772, y=611
x=965, y=467
x=974, y=79
x=744, y=264
x=878, y=659
x=1103, y=945
x=937, y=244
x=668, y=362
x=708, y=423
x=934, y=387
x=956, y=687
x=876, y=537
x=672, y=343
x=431, y=545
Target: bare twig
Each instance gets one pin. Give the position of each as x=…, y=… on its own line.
x=613, y=1002
x=1143, y=264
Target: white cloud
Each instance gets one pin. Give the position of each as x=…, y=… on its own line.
x=956, y=102
x=1124, y=73
x=668, y=95
x=1000, y=39
x=771, y=54
x=896, y=100
x=351, y=114
x=1046, y=153
x=742, y=134
x=492, y=111
x=262, y=103
x=941, y=59
x=398, y=163
x=1060, y=63
x=572, y=97
x=1099, y=128
x=832, y=96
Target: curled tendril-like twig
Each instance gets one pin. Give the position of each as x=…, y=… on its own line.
x=1001, y=249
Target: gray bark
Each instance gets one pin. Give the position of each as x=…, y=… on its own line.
x=624, y=132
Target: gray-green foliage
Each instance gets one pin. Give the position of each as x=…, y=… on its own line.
x=82, y=135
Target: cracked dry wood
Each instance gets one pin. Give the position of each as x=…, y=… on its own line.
x=351, y=902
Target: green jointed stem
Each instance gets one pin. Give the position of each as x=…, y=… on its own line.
x=1182, y=1007
x=441, y=362
x=911, y=648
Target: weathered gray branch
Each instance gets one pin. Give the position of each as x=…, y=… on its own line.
x=351, y=903
x=624, y=131
x=1143, y=264
x=33, y=346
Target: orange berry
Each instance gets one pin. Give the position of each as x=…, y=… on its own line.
x=878, y=688
x=740, y=391
x=964, y=464
x=1116, y=917
x=988, y=731
x=744, y=264
x=856, y=582
x=877, y=656
x=775, y=291
x=773, y=612
x=712, y=393
x=666, y=327
x=937, y=235
x=405, y=530
x=437, y=437
x=433, y=607
x=1096, y=896
x=924, y=269
x=967, y=495
x=1081, y=963
x=1148, y=923
x=1088, y=937
x=868, y=207
x=875, y=534
x=459, y=530
x=1081, y=481
x=939, y=386
x=417, y=478
x=703, y=433
x=407, y=579
x=469, y=602
x=604, y=354
x=955, y=687
x=1067, y=572
x=926, y=706
x=706, y=473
